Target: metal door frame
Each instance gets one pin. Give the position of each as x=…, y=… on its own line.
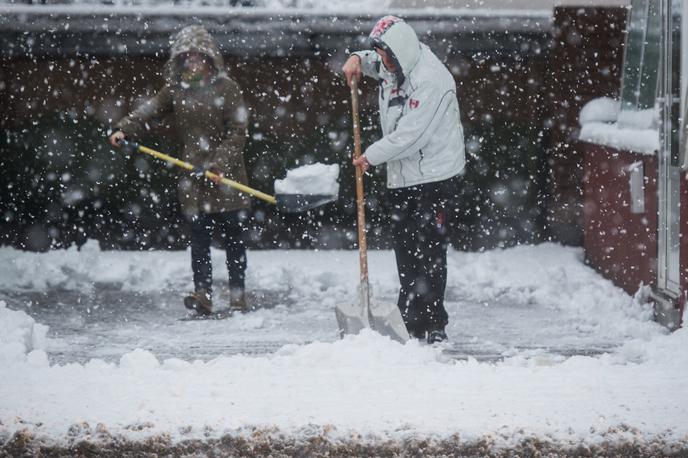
x=669, y=171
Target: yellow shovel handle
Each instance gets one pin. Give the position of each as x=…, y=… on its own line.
x=226, y=181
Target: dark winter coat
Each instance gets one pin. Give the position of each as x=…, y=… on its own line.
x=211, y=122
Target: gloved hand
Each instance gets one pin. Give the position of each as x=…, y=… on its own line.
x=199, y=172
x=116, y=138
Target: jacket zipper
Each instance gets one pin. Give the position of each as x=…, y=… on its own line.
x=420, y=169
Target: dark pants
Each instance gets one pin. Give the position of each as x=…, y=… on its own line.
x=419, y=234
x=231, y=226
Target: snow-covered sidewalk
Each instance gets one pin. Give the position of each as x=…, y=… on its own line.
x=545, y=353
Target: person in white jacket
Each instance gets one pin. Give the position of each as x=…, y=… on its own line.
x=423, y=149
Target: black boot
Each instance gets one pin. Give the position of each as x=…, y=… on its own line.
x=416, y=333
x=437, y=336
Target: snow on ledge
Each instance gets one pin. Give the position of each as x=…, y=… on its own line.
x=372, y=10
x=643, y=141
x=604, y=109
x=604, y=123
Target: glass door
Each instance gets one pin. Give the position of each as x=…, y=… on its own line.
x=652, y=85
x=669, y=103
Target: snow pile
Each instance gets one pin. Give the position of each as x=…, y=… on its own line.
x=603, y=122
x=604, y=109
x=555, y=280
x=79, y=270
x=628, y=139
x=661, y=350
x=530, y=296
x=363, y=383
x=21, y=338
x=314, y=179
x=639, y=119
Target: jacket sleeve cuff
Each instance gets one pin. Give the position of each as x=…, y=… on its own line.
x=374, y=155
x=128, y=127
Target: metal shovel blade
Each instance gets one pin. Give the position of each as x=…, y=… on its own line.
x=351, y=318
x=382, y=317
x=293, y=203
x=386, y=319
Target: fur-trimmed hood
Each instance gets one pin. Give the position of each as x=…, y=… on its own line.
x=193, y=38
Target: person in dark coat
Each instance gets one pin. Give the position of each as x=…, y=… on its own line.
x=211, y=119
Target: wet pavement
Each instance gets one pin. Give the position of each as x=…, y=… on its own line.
x=106, y=322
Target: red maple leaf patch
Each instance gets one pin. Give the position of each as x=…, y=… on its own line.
x=413, y=103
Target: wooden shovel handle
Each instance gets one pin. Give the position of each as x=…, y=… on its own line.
x=360, y=197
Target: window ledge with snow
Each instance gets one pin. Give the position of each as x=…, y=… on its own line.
x=604, y=123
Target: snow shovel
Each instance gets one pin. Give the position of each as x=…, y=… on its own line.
x=384, y=318
x=289, y=203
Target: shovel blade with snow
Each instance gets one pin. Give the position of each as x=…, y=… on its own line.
x=351, y=319
x=382, y=317
x=307, y=187
x=294, y=203
x=386, y=319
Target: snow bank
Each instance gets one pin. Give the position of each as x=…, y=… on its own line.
x=603, y=122
x=361, y=386
x=639, y=119
x=644, y=141
x=74, y=269
x=551, y=277
x=660, y=350
x=363, y=383
x=21, y=338
x=316, y=179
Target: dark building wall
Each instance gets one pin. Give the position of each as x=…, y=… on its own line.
x=67, y=184
x=585, y=63
x=618, y=243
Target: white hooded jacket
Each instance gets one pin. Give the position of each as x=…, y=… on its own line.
x=422, y=133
